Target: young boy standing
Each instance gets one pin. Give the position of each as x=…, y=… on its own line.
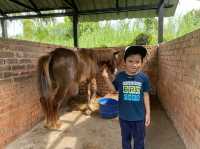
x=134, y=105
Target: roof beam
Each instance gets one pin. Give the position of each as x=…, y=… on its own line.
x=120, y=9
x=165, y=4
x=66, y=1
x=117, y=4
x=89, y=12
x=1, y=12
x=160, y=3
x=23, y=5
x=72, y=5
x=34, y=6
x=94, y=4
x=126, y=3
x=48, y=9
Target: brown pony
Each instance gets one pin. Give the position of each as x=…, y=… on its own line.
x=62, y=70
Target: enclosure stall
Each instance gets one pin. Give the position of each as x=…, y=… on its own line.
x=173, y=66
x=20, y=108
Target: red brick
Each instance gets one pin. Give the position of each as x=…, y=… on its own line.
x=2, y=61
x=11, y=61
x=25, y=61
x=10, y=74
x=5, y=54
x=177, y=86
x=17, y=67
x=5, y=67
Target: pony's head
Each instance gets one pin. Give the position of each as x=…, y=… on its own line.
x=111, y=64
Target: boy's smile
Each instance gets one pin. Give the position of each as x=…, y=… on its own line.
x=133, y=64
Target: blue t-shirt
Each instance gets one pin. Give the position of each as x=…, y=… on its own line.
x=131, y=90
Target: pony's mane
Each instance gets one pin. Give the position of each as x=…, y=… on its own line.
x=99, y=55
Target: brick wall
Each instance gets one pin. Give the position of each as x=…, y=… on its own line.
x=19, y=99
x=179, y=85
x=19, y=105
x=151, y=67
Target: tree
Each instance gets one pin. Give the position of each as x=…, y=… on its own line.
x=150, y=25
x=27, y=29
x=189, y=22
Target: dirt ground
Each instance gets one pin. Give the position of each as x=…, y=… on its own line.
x=80, y=131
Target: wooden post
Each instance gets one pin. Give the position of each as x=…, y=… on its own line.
x=75, y=28
x=4, y=28
x=160, y=22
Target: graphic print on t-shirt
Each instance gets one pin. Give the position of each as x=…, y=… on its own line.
x=131, y=90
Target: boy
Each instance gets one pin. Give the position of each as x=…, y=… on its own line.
x=134, y=105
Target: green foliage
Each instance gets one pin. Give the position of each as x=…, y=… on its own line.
x=189, y=22
x=143, y=39
x=170, y=28
x=122, y=33
x=48, y=31
x=180, y=25
x=27, y=29
x=150, y=25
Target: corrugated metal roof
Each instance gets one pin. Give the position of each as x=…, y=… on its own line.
x=87, y=10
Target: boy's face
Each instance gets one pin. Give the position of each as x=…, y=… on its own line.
x=133, y=63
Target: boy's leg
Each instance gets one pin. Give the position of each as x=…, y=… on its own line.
x=139, y=134
x=126, y=134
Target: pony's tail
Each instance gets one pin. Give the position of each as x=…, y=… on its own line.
x=44, y=80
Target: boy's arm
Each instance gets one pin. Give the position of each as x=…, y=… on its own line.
x=108, y=81
x=147, y=109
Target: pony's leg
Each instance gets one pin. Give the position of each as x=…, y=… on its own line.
x=48, y=123
x=44, y=104
x=93, y=90
x=55, y=117
x=88, y=109
x=49, y=111
x=92, y=95
x=49, y=114
x=50, y=118
x=55, y=107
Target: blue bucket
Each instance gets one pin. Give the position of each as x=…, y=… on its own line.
x=108, y=107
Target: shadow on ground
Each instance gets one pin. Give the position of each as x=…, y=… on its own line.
x=92, y=132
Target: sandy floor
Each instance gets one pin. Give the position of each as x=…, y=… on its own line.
x=92, y=132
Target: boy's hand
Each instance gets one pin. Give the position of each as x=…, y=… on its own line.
x=106, y=77
x=147, y=120
x=105, y=73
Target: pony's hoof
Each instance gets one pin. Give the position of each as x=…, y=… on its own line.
x=53, y=126
x=48, y=126
x=58, y=125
